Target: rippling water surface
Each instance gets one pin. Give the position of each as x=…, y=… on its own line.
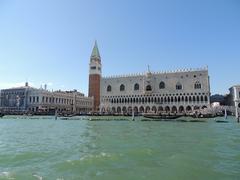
x=42, y=148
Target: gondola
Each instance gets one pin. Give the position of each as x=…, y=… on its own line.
x=162, y=117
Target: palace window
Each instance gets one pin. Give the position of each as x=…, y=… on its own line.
x=122, y=87
x=197, y=85
x=109, y=88
x=136, y=87
x=178, y=86
x=149, y=88
x=162, y=85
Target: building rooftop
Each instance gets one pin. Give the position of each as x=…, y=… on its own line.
x=160, y=72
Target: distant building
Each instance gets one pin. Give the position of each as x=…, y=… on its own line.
x=15, y=99
x=217, y=98
x=27, y=98
x=215, y=104
x=234, y=97
x=176, y=91
x=221, y=99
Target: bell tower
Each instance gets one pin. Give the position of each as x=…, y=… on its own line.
x=95, y=72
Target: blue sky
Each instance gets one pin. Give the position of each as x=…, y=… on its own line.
x=51, y=41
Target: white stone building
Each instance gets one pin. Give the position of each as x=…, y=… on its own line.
x=35, y=100
x=63, y=101
x=176, y=91
x=235, y=98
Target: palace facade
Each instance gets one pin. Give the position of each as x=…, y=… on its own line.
x=177, y=91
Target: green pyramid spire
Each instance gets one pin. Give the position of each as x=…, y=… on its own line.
x=95, y=51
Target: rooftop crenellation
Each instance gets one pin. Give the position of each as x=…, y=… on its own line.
x=159, y=72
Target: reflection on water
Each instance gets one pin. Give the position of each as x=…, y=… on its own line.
x=48, y=149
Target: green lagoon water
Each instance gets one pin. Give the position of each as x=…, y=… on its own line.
x=42, y=148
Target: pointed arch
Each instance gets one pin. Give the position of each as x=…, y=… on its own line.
x=154, y=109
x=174, y=109
x=124, y=109
x=179, y=86
x=167, y=109
x=118, y=110
x=109, y=88
x=168, y=99
x=129, y=110
x=141, y=109
x=190, y=99
x=161, y=85
x=113, y=110
x=135, y=109
x=148, y=88
x=160, y=109
x=122, y=87
x=194, y=99
x=198, y=99
x=147, y=109
x=165, y=99
x=196, y=108
x=181, y=109
x=136, y=87
x=206, y=98
x=188, y=109
x=197, y=85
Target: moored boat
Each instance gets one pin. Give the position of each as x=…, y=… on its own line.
x=162, y=116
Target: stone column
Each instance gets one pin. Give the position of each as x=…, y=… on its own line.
x=236, y=109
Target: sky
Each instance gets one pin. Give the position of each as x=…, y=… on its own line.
x=50, y=42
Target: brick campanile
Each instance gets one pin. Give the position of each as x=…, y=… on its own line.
x=95, y=72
